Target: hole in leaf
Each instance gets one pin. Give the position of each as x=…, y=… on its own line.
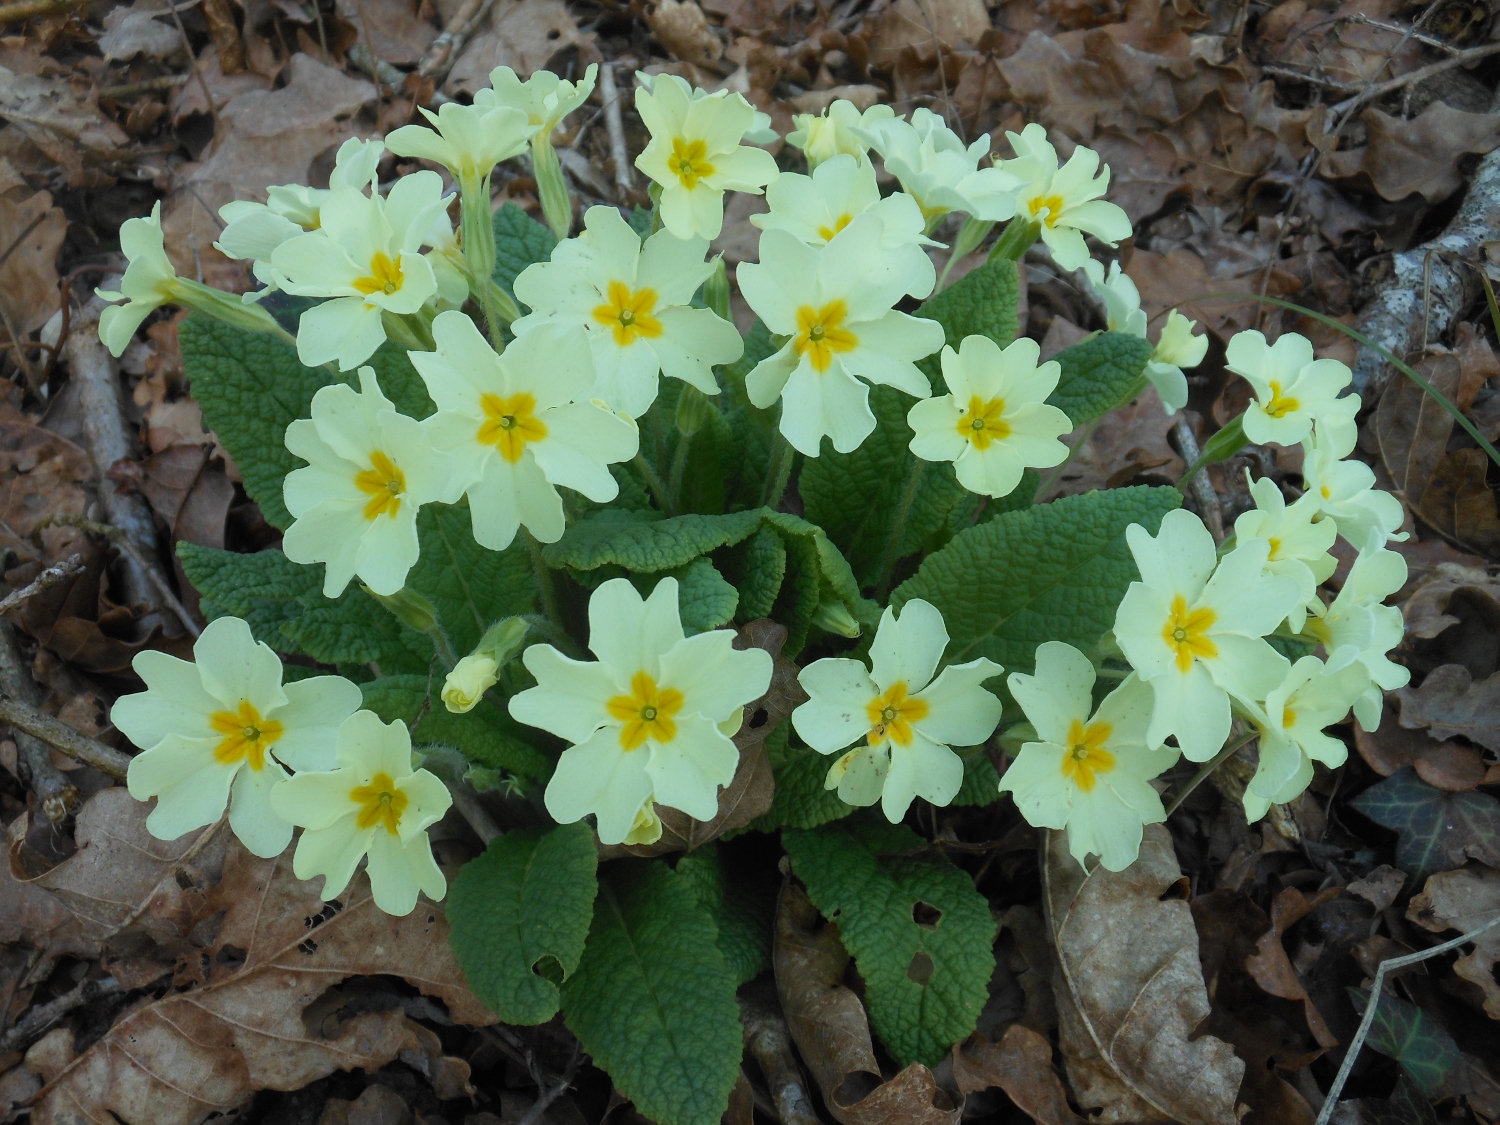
x=1179, y=889
x=309, y=947
x=921, y=969
x=759, y=718
x=231, y=955
x=855, y=1088
x=549, y=968
x=926, y=915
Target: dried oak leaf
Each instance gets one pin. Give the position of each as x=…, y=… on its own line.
x=832, y=1032
x=523, y=35
x=397, y=33
x=1450, y=703
x=1427, y=607
x=928, y=26
x=1413, y=430
x=1021, y=1065
x=1460, y=503
x=1131, y=992
x=34, y=230
x=1464, y=900
x=190, y=1055
x=1446, y=765
x=682, y=29
x=1271, y=967
x=1419, y=155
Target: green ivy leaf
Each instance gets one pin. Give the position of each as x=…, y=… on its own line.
x=857, y=497
x=526, y=901
x=471, y=586
x=250, y=386
x=487, y=734
x=519, y=241
x=744, y=908
x=1098, y=373
x=801, y=800
x=704, y=599
x=1438, y=830
x=284, y=605
x=1053, y=572
x=921, y=935
x=652, y=1000
x=1422, y=1046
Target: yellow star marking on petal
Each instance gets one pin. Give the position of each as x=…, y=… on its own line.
x=247, y=736
x=892, y=714
x=1186, y=633
x=383, y=484
x=1275, y=552
x=628, y=314
x=690, y=161
x=380, y=802
x=385, y=276
x=1086, y=757
x=827, y=233
x=1052, y=204
x=819, y=335
x=646, y=712
x=509, y=423
x=1288, y=718
x=1280, y=406
x=983, y=422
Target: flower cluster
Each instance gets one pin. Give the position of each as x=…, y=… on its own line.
x=223, y=730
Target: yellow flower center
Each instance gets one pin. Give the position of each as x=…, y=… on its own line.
x=1316, y=627
x=629, y=314
x=983, y=423
x=1280, y=406
x=819, y=335
x=892, y=714
x=509, y=423
x=385, y=276
x=690, y=161
x=383, y=484
x=1086, y=756
x=247, y=736
x=646, y=712
x=1052, y=204
x=380, y=802
x=1275, y=552
x=1186, y=633
x=1288, y=718
x=1326, y=492
x=827, y=233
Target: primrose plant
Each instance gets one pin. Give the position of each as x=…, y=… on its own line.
x=557, y=530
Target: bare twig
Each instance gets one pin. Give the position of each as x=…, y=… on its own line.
x=614, y=125
x=466, y=801
x=1208, y=767
x=59, y=735
x=54, y=792
x=385, y=75
x=54, y=575
x=39, y=1019
x=118, y=537
x=1413, y=77
x=1202, y=486
x=29, y=9
x=1386, y=966
x=148, y=86
x=208, y=96
x=444, y=51
x=546, y=1096
x=770, y=1041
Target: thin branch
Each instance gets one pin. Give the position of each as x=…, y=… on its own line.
x=1207, y=768
x=56, y=795
x=444, y=51
x=27, y=9
x=545, y=1097
x=614, y=125
x=60, y=736
x=54, y=575
x=120, y=539
x=1202, y=486
x=1411, y=78
x=770, y=1043
x=37, y=1021
x=1375, y=993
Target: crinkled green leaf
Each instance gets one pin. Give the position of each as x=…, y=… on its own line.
x=704, y=599
x=250, y=386
x=920, y=934
x=527, y=900
x=858, y=497
x=1098, y=373
x=1052, y=572
x=742, y=905
x=284, y=605
x=400, y=381
x=1022, y=496
x=981, y=785
x=1438, y=830
x=652, y=1001
x=764, y=570
x=753, y=429
x=487, y=734
x=470, y=586
x=801, y=799
x=1422, y=1046
x=519, y=241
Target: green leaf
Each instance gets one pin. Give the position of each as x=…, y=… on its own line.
x=801, y=800
x=284, y=605
x=743, y=906
x=519, y=241
x=1053, y=572
x=487, y=734
x=527, y=900
x=1098, y=373
x=1438, y=830
x=920, y=934
x=704, y=599
x=1022, y=496
x=981, y=783
x=1421, y=1045
x=400, y=381
x=652, y=1000
x=471, y=586
x=763, y=569
x=753, y=429
x=250, y=386
x=858, y=497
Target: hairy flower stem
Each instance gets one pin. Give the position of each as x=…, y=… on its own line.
x=898, y=525
x=778, y=471
x=1208, y=767
x=658, y=488
x=544, y=584
x=478, y=239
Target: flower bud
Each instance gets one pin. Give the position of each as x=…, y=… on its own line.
x=503, y=640
x=551, y=187
x=474, y=675
x=836, y=618
x=409, y=607
x=716, y=291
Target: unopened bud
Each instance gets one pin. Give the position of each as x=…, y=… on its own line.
x=834, y=617
x=471, y=677
x=551, y=187
x=716, y=290
x=409, y=607
x=503, y=639
x=692, y=410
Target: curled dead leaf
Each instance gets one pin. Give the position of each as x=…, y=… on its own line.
x=1021, y=1065
x=683, y=30
x=1450, y=702
x=1417, y=155
x=1271, y=967
x=1464, y=900
x=1130, y=991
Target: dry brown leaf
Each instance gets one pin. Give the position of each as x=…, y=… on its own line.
x=523, y=35
x=178, y=1060
x=1426, y=607
x=397, y=32
x=1460, y=504
x=1419, y=155
x=1450, y=702
x=63, y=122
x=33, y=231
x=1131, y=991
x=1380, y=887
x=1021, y=1065
x=1413, y=429
x=1273, y=970
x=40, y=477
x=925, y=26
x=1447, y=765
x=1124, y=445
x=682, y=29
x=137, y=30
x=187, y=98
x=1464, y=900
